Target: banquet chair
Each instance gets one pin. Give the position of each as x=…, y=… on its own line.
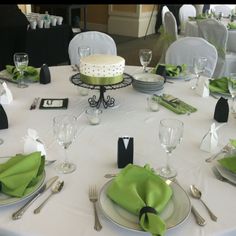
x=184, y=12
x=170, y=33
x=99, y=43
x=216, y=33
x=185, y=49
x=164, y=10
x=226, y=10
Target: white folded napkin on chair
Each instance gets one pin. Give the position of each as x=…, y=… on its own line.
x=6, y=97
x=33, y=143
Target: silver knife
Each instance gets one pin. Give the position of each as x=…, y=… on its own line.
x=34, y=104
x=18, y=214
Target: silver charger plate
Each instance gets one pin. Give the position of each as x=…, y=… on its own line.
x=175, y=213
x=227, y=174
x=6, y=200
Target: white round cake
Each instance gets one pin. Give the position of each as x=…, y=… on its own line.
x=102, y=69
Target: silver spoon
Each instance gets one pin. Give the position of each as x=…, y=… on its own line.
x=55, y=189
x=196, y=193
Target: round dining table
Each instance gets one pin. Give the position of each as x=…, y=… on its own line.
x=94, y=151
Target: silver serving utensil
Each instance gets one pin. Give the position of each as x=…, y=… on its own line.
x=199, y=219
x=55, y=189
x=18, y=214
x=196, y=193
x=225, y=149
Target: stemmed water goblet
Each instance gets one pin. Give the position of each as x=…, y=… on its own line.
x=84, y=51
x=21, y=61
x=232, y=90
x=199, y=66
x=170, y=135
x=65, y=131
x=145, y=57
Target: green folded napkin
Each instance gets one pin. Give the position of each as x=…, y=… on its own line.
x=198, y=17
x=21, y=173
x=175, y=104
x=231, y=25
x=172, y=70
x=219, y=85
x=229, y=162
x=136, y=187
x=30, y=73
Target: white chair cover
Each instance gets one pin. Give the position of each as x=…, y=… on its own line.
x=164, y=10
x=99, y=43
x=170, y=33
x=184, y=12
x=217, y=34
x=226, y=10
x=185, y=49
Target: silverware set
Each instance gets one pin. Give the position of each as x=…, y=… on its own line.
x=196, y=193
x=19, y=213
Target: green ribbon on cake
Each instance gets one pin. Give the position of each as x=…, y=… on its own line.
x=95, y=80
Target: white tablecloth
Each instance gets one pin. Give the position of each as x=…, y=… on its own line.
x=95, y=153
x=191, y=29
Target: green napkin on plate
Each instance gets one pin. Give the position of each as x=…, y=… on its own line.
x=172, y=70
x=135, y=188
x=30, y=73
x=219, y=85
x=21, y=173
x=175, y=104
x=231, y=25
x=229, y=162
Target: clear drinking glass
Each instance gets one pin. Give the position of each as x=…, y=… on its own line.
x=21, y=61
x=170, y=135
x=84, y=51
x=199, y=66
x=232, y=90
x=145, y=57
x=65, y=131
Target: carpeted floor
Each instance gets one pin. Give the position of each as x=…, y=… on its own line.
x=128, y=48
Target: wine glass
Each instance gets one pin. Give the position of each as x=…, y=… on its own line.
x=84, y=51
x=199, y=65
x=170, y=135
x=232, y=90
x=145, y=57
x=65, y=131
x=21, y=61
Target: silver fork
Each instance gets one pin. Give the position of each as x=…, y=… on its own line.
x=93, y=197
x=225, y=149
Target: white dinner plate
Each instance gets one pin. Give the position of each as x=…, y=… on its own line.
x=6, y=200
x=149, y=77
x=226, y=173
x=175, y=213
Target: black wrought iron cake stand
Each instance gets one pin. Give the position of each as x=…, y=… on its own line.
x=108, y=101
